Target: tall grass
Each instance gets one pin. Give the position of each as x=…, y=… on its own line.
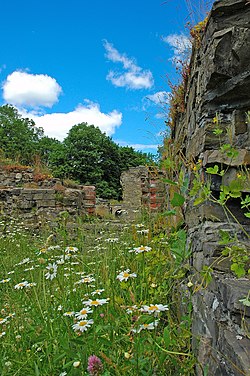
x=109, y=290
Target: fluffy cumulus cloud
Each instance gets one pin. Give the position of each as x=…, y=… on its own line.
x=35, y=90
x=132, y=76
x=57, y=125
x=180, y=44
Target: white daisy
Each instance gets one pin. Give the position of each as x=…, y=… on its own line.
x=83, y=313
x=141, y=249
x=5, y=280
x=82, y=325
x=152, y=308
x=21, y=285
x=71, y=250
x=52, y=271
x=125, y=275
x=69, y=313
x=97, y=292
x=150, y=326
x=95, y=303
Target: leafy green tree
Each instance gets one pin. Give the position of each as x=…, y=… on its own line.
x=46, y=147
x=93, y=158
x=132, y=158
x=19, y=137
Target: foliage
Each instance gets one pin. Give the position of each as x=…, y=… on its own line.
x=19, y=137
x=86, y=155
x=137, y=327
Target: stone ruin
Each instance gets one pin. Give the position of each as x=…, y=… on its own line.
x=37, y=200
x=143, y=188
x=218, y=83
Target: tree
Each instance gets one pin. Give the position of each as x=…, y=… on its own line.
x=91, y=157
x=19, y=137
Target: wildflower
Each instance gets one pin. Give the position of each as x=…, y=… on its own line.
x=124, y=276
x=95, y=366
x=189, y=284
x=76, y=364
x=31, y=284
x=141, y=249
x=87, y=279
x=21, y=285
x=2, y=334
x=52, y=271
x=97, y=292
x=139, y=225
x=150, y=326
x=2, y=321
x=5, y=280
x=83, y=313
x=82, y=325
x=131, y=309
x=42, y=251
x=153, y=308
x=69, y=313
x=71, y=250
x=97, y=302
x=111, y=240
x=143, y=232
x=63, y=373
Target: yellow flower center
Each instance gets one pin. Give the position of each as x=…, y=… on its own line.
x=94, y=302
x=152, y=308
x=83, y=311
x=82, y=323
x=145, y=325
x=142, y=248
x=125, y=274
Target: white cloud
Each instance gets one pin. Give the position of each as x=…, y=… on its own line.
x=180, y=44
x=25, y=89
x=57, y=125
x=140, y=147
x=161, y=97
x=134, y=77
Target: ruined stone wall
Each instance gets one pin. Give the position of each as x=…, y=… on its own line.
x=219, y=83
x=44, y=200
x=143, y=188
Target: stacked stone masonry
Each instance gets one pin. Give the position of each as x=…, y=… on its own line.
x=219, y=83
x=143, y=187
x=46, y=200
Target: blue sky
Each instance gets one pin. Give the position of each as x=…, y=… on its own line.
x=103, y=62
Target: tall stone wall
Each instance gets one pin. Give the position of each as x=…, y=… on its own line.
x=218, y=85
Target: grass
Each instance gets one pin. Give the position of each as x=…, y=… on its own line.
x=139, y=324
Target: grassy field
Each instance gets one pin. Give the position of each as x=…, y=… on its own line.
x=103, y=299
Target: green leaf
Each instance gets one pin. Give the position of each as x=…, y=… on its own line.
x=170, y=212
x=238, y=269
x=199, y=200
x=245, y=302
x=212, y=170
x=166, y=337
x=225, y=237
x=167, y=181
x=177, y=200
x=247, y=215
x=37, y=372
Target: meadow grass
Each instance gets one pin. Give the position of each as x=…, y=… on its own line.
x=106, y=289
